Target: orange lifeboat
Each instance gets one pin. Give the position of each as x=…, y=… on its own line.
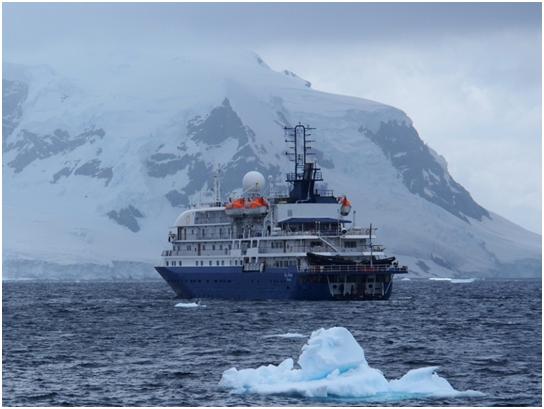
x=236, y=207
x=345, y=206
x=241, y=207
x=259, y=205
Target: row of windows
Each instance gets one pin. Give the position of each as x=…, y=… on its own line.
x=189, y=247
x=278, y=263
x=179, y=263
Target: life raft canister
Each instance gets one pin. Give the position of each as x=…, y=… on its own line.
x=345, y=206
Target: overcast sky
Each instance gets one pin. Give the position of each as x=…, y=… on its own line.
x=469, y=75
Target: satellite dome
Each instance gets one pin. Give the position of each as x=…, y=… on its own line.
x=253, y=181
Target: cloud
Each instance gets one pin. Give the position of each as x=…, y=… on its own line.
x=469, y=75
x=474, y=98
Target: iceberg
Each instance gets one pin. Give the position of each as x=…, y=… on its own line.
x=333, y=364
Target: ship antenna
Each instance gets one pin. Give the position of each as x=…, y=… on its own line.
x=370, y=239
x=217, y=187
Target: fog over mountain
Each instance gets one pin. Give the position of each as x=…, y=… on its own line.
x=98, y=165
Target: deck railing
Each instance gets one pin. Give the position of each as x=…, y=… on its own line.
x=356, y=268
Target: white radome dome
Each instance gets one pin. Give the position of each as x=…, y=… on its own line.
x=253, y=181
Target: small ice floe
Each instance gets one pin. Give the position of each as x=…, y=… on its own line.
x=453, y=280
x=189, y=304
x=333, y=364
x=405, y=279
x=462, y=280
x=287, y=335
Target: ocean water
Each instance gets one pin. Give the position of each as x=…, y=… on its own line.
x=126, y=343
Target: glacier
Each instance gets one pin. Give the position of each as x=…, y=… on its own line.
x=98, y=162
x=333, y=364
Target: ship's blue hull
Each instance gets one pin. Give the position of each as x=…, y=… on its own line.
x=274, y=283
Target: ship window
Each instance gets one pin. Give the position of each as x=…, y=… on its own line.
x=167, y=264
x=350, y=244
x=230, y=246
x=254, y=243
x=222, y=262
x=189, y=247
x=235, y=262
x=217, y=262
x=210, y=262
x=179, y=263
x=203, y=247
x=220, y=247
x=289, y=213
x=213, y=246
x=202, y=263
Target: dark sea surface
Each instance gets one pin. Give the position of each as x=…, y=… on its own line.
x=106, y=344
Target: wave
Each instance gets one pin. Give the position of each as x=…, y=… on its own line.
x=333, y=364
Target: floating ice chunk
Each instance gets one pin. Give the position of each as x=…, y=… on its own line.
x=453, y=280
x=405, y=279
x=189, y=305
x=330, y=350
x=287, y=335
x=332, y=363
x=462, y=280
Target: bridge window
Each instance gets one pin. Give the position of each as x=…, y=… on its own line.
x=350, y=244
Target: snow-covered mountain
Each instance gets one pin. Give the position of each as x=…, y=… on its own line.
x=97, y=166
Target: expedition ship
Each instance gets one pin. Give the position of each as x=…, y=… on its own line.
x=299, y=245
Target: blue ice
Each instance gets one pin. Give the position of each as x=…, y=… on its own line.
x=333, y=364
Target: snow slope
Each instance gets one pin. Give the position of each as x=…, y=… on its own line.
x=99, y=163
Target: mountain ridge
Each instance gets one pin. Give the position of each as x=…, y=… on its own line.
x=114, y=171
